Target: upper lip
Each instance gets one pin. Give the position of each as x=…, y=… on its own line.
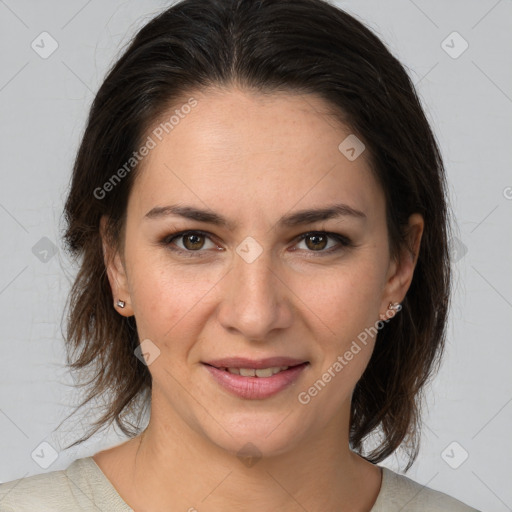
x=242, y=362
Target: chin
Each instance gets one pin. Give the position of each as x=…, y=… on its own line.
x=256, y=435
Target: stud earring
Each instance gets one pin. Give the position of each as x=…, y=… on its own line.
x=396, y=306
x=121, y=303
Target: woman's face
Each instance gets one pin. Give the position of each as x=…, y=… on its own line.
x=252, y=288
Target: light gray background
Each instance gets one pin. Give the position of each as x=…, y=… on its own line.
x=44, y=103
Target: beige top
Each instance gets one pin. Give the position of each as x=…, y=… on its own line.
x=84, y=487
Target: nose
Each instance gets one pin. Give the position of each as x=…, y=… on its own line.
x=255, y=299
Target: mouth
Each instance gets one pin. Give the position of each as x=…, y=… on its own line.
x=251, y=379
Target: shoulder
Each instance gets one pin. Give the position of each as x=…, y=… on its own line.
x=43, y=492
x=82, y=486
x=399, y=492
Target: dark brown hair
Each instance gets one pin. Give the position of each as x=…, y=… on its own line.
x=268, y=46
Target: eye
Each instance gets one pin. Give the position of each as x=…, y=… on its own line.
x=192, y=241
x=317, y=241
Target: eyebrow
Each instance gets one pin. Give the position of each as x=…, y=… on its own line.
x=298, y=218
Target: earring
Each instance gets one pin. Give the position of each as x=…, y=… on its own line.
x=395, y=306
x=121, y=303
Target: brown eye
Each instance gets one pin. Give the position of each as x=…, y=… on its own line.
x=316, y=241
x=189, y=242
x=193, y=241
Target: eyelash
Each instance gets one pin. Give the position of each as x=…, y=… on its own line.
x=168, y=239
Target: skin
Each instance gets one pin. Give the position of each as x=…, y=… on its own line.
x=253, y=159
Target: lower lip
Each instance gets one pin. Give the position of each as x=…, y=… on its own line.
x=256, y=388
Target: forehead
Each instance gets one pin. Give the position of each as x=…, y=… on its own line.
x=248, y=151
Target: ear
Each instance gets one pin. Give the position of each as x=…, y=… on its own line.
x=401, y=270
x=116, y=273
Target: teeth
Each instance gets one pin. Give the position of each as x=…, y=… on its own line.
x=261, y=372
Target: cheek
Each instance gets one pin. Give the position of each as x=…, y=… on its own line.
x=345, y=298
x=345, y=306
x=167, y=297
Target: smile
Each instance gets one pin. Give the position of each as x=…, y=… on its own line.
x=256, y=383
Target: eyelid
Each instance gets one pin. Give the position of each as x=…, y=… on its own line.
x=343, y=241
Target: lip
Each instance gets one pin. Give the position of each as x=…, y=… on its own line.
x=256, y=388
x=242, y=362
